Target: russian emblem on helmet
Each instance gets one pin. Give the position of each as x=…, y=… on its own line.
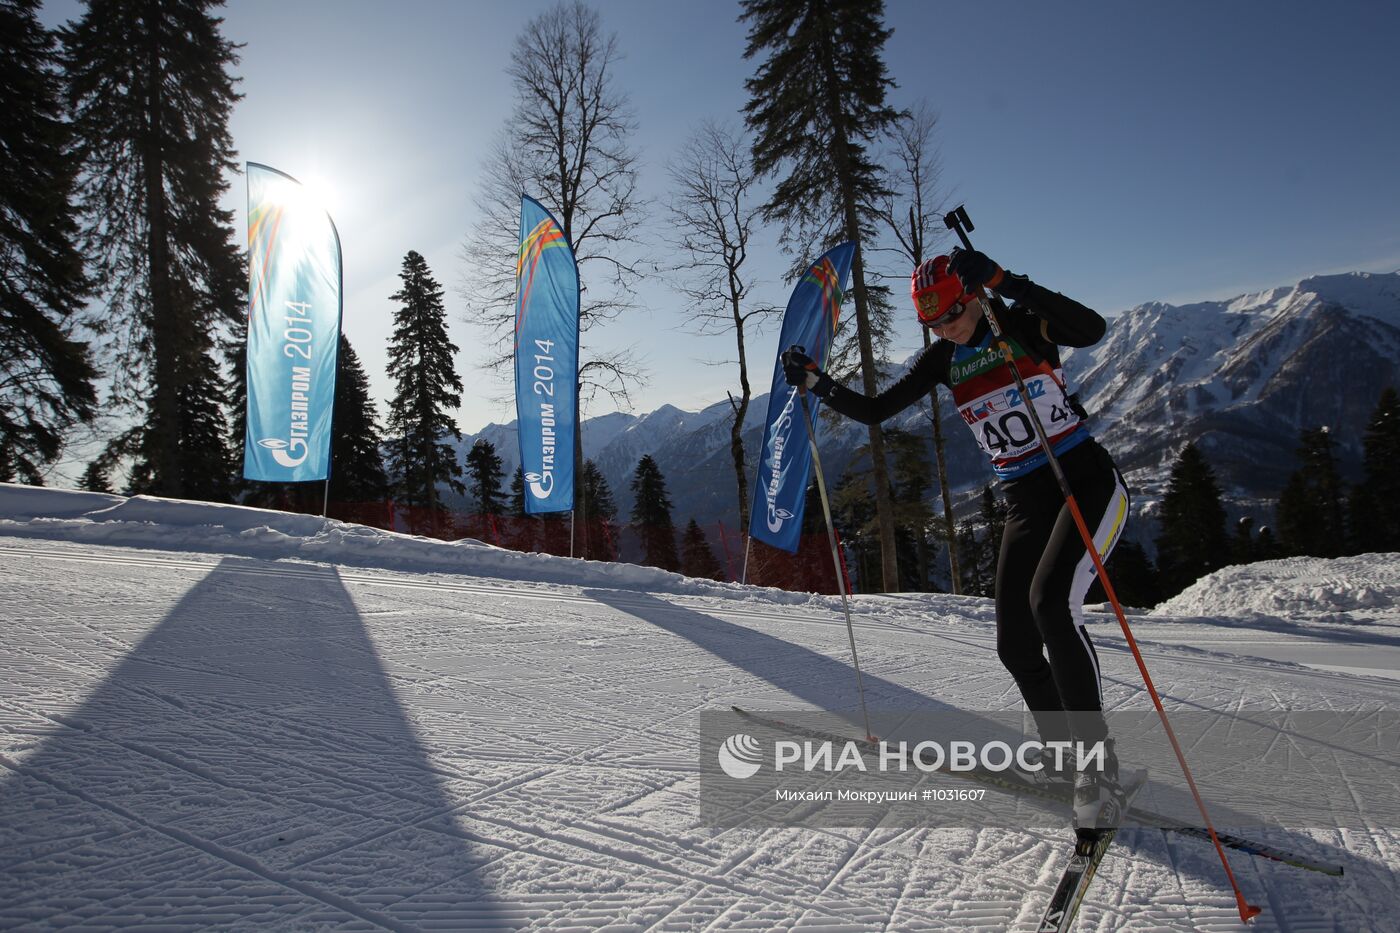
x=936, y=291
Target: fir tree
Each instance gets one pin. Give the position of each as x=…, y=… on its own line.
x=993, y=512
x=150, y=95
x=651, y=514
x=523, y=529
x=1193, y=541
x=911, y=474
x=426, y=386
x=46, y=375
x=817, y=108
x=357, y=461
x=1375, y=502
x=1311, y=508
x=484, y=483
x=1134, y=578
x=601, y=543
x=95, y=477
x=697, y=558
x=1242, y=545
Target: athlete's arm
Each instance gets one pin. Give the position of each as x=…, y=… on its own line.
x=1063, y=321
x=930, y=369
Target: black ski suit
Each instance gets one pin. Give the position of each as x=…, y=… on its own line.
x=1043, y=570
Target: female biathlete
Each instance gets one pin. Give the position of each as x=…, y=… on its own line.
x=1043, y=569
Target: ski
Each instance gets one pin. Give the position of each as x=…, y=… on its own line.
x=1074, y=882
x=1015, y=783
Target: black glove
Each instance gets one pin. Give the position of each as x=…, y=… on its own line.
x=974, y=268
x=801, y=370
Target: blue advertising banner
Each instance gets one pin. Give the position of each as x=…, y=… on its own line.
x=785, y=460
x=294, y=305
x=546, y=359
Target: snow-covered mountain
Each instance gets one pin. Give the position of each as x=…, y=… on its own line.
x=1240, y=377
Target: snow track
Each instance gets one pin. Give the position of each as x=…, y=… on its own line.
x=193, y=741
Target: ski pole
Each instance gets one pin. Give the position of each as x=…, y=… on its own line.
x=959, y=222
x=835, y=554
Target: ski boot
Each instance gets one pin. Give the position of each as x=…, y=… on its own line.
x=1099, y=802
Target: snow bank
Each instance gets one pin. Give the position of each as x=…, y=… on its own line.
x=181, y=525
x=1354, y=590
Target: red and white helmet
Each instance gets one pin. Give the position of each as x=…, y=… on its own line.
x=936, y=291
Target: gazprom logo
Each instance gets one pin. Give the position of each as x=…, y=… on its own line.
x=280, y=450
x=540, y=485
x=740, y=756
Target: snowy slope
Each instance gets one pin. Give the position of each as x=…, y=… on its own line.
x=218, y=717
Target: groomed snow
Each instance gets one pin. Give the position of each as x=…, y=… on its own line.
x=214, y=717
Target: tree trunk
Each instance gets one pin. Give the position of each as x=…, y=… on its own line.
x=949, y=530
x=736, y=431
x=163, y=434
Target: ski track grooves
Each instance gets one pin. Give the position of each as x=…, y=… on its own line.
x=214, y=850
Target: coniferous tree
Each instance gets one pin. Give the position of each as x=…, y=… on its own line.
x=697, y=557
x=1193, y=541
x=484, y=469
x=1375, y=502
x=357, y=459
x=1134, y=578
x=150, y=95
x=972, y=561
x=651, y=514
x=817, y=108
x=601, y=543
x=523, y=529
x=910, y=473
x=46, y=375
x=1242, y=545
x=484, y=483
x=95, y=477
x=426, y=387
x=993, y=512
x=1311, y=508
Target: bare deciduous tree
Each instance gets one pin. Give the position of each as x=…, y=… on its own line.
x=912, y=211
x=713, y=209
x=565, y=144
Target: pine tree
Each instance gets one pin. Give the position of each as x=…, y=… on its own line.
x=1375, y=502
x=651, y=514
x=426, y=386
x=697, y=558
x=601, y=543
x=46, y=375
x=1311, y=508
x=150, y=95
x=817, y=107
x=357, y=460
x=1193, y=541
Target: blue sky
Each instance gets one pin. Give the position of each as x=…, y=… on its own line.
x=1118, y=152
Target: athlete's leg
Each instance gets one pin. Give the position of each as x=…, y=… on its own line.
x=1029, y=522
x=1063, y=577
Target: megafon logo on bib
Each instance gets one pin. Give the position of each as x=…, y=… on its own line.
x=740, y=756
x=280, y=450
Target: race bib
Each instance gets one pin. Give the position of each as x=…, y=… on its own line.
x=1002, y=424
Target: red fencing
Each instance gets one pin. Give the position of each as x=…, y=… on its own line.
x=809, y=570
